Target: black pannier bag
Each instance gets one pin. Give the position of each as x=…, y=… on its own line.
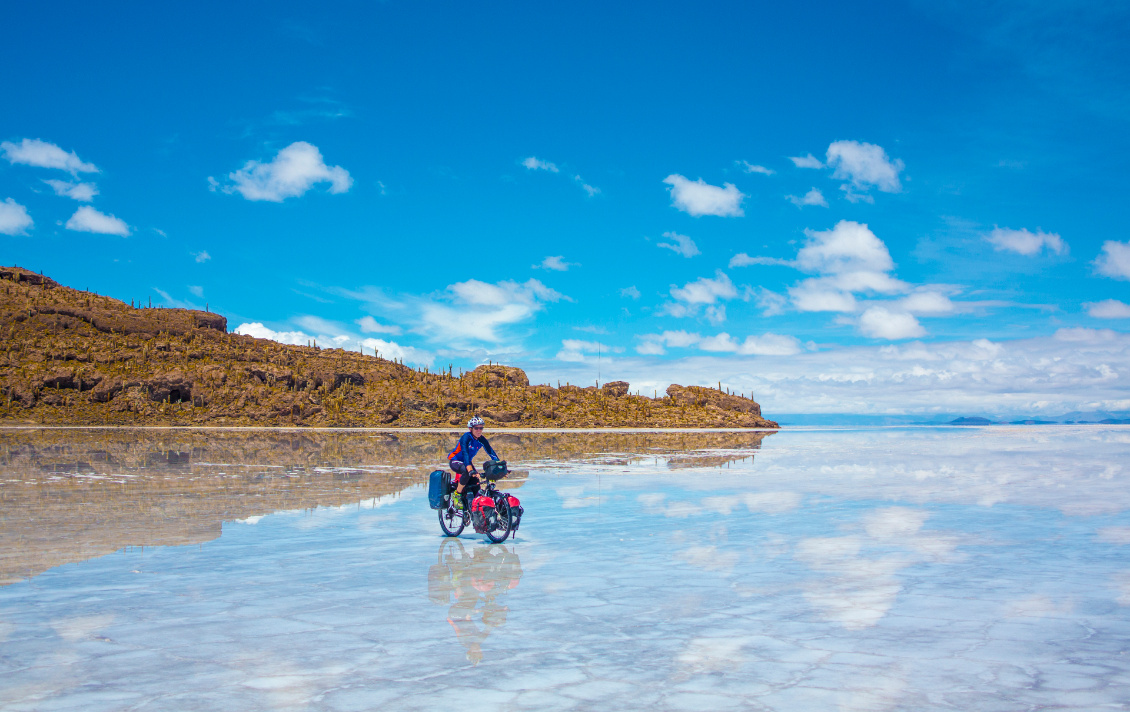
x=439, y=485
x=494, y=469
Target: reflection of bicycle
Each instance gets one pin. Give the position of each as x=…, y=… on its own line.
x=472, y=583
x=492, y=511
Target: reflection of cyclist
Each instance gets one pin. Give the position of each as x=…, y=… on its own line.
x=476, y=582
x=461, y=458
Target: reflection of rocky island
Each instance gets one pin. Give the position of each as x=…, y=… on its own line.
x=80, y=358
x=72, y=494
x=473, y=584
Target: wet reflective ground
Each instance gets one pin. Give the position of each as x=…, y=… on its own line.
x=910, y=569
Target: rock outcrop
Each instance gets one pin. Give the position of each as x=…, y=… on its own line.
x=80, y=358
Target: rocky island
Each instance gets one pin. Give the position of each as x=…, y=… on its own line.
x=72, y=357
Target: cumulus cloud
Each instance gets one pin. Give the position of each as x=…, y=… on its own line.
x=196, y=291
x=14, y=218
x=703, y=295
x=863, y=166
x=681, y=244
x=369, y=325
x=743, y=260
x=1114, y=260
x=556, y=263
x=699, y=198
x=290, y=174
x=751, y=168
x=87, y=219
x=259, y=331
x=808, y=161
x=812, y=197
x=478, y=311
x=590, y=189
x=536, y=164
x=768, y=344
x=201, y=256
x=398, y=352
x=1045, y=376
x=1108, y=309
x=927, y=302
x=575, y=350
x=83, y=192
x=882, y=323
x=42, y=154
x=630, y=292
x=848, y=247
x=1024, y=242
x=327, y=333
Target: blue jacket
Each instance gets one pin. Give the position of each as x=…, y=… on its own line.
x=468, y=446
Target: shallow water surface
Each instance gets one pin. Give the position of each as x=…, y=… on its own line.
x=862, y=569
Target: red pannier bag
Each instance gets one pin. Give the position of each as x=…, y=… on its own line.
x=478, y=516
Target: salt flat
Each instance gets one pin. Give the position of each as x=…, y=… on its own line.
x=840, y=569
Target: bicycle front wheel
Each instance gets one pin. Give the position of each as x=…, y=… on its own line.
x=498, y=528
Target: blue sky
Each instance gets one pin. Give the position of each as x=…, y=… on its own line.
x=883, y=208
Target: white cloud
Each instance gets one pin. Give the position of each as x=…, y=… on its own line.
x=847, y=247
x=480, y=310
x=751, y=168
x=202, y=256
x=1042, y=376
x=808, y=161
x=1108, y=309
x=1114, y=260
x=83, y=192
x=292, y=172
x=864, y=166
x=700, y=198
x=575, y=349
x=256, y=329
x=42, y=154
x=881, y=323
x=1024, y=242
x=682, y=244
x=394, y=351
x=630, y=292
x=1086, y=336
x=369, y=325
x=14, y=218
x=703, y=295
x=590, y=189
x=556, y=263
x=764, y=345
x=705, y=290
x=770, y=302
x=196, y=291
x=927, y=302
x=536, y=164
x=812, y=197
x=743, y=260
x=87, y=219
x=811, y=296
x=768, y=344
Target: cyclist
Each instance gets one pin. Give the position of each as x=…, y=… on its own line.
x=461, y=459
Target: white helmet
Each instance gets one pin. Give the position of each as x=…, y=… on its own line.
x=475, y=420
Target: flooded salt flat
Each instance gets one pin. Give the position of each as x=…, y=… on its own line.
x=870, y=569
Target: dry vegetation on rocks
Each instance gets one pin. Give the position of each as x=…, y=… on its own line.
x=72, y=357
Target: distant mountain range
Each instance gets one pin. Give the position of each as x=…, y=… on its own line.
x=848, y=419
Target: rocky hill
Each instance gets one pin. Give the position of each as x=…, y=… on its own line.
x=73, y=357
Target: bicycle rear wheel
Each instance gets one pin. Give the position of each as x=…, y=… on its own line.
x=452, y=521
